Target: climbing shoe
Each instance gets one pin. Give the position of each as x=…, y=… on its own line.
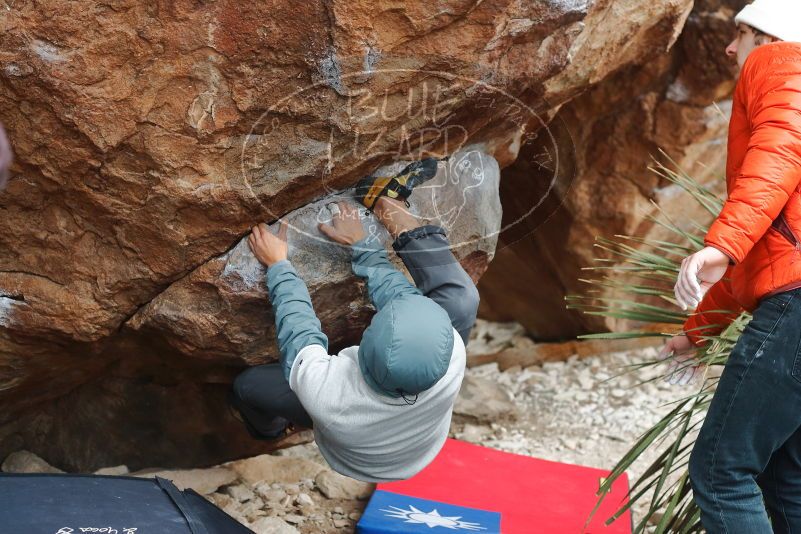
x=371, y=188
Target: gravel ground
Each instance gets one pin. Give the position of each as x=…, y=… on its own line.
x=578, y=411
x=572, y=411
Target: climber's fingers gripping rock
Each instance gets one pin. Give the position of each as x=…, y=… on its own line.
x=346, y=225
x=269, y=248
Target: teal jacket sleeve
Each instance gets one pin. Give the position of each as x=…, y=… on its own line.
x=296, y=324
x=384, y=281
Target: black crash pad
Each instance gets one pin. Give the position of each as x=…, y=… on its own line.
x=82, y=504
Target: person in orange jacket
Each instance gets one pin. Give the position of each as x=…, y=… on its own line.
x=745, y=468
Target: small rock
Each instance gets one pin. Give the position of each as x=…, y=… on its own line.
x=27, y=462
x=484, y=400
x=295, y=519
x=474, y=433
x=271, y=495
x=240, y=493
x=355, y=516
x=490, y=337
x=585, y=381
x=220, y=499
x=338, y=510
x=269, y=468
x=119, y=470
x=303, y=499
x=336, y=486
x=570, y=443
x=341, y=523
x=292, y=489
x=581, y=396
x=272, y=525
x=253, y=509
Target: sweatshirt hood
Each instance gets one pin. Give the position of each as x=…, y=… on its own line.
x=407, y=347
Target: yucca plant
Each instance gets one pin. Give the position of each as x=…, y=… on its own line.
x=634, y=282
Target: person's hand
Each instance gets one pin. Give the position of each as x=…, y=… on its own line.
x=681, y=367
x=268, y=248
x=698, y=273
x=347, y=227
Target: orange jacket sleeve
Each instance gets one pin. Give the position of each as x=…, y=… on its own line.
x=771, y=170
x=716, y=311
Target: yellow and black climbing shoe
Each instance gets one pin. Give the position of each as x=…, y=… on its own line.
x=371, y=188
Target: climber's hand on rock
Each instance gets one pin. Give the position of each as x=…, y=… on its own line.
x=268, y=247
x=698, y=273
x=682, y=366
x=347, y=227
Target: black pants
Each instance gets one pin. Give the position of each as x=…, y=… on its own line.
x=745, y=468
x=262, y=394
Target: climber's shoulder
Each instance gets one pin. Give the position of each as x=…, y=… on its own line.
x=772, y=64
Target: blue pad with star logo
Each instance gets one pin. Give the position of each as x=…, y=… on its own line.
x=394, y=513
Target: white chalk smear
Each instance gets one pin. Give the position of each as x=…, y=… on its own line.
x=7, y=306
x=242, y=270
x=47, y=51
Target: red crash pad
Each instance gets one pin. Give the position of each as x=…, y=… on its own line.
x=532, y=496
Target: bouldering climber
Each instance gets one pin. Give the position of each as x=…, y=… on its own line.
x=380, y=410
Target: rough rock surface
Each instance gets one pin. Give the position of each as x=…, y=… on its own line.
x=678, y=103
x=483, y=401
x=203, y=481
x=336, y=486
x=276, y=469
x=150, y=136
x=26, y=462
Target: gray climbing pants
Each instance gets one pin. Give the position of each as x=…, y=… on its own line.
x=262, y=395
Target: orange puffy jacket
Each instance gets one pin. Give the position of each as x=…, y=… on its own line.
x=759, y=227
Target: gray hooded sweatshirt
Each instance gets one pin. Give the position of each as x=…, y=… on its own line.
x=382, y=409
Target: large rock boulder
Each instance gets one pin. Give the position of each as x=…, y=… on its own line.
x=188, y=341
x=677, y=103
x=151, y=136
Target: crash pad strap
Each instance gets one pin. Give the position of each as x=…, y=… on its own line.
x=180, y=502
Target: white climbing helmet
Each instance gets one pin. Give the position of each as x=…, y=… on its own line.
x=779, y=18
